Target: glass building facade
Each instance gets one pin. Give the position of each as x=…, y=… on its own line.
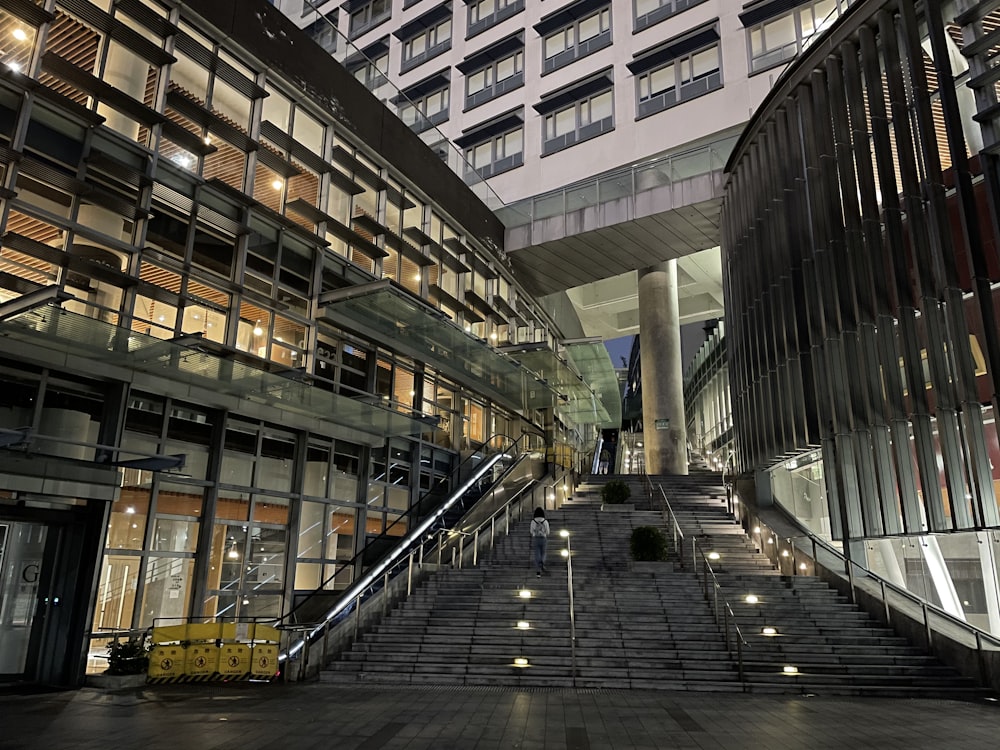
x=860, y=245
x=248, y=318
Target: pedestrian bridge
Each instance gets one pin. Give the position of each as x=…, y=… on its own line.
x=587, y=240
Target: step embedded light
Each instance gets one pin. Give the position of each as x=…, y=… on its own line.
x=524, y=594
x=523, y=625
x=751, y=599
x=756, y=529
x=789, y=669
x=802, y=566
x=769, y=631
x=714, y=556
x=784, y=553
x=520, y=662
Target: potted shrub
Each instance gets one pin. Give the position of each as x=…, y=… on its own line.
x=128, y=662
x=128, y=657
x=648, y=544
x=615, y=492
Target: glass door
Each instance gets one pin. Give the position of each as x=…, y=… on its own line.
x=22, y=547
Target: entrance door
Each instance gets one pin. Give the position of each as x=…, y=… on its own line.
x=22, y=558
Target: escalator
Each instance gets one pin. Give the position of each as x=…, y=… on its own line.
x=386, y=554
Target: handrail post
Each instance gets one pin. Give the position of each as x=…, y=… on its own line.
x=409, y=574
x=357, y=617
x=739, y=661
x=850, y=580
x=475, y=548
x=885, y=602
x=572, y=614
x=385, y=594
x=725, y=627
x=927, y=628
x=461, y=551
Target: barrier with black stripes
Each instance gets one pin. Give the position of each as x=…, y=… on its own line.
x=203, y=652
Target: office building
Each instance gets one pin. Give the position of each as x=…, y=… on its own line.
x=248, y=318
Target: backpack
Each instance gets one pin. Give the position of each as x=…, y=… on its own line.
x=538, y=530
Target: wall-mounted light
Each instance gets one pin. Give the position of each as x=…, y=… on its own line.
x=20, y=34
x=257, y=330
x=277, y=184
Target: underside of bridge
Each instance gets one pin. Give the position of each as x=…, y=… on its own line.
x=589, y=258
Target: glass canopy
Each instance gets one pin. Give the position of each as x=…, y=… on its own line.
x=575, y=400
x=191, y=361
x=383, y=311
x=593, y=361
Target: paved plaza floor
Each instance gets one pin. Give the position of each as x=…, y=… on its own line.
x=322, y=717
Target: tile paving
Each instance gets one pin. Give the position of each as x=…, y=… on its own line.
x=327, y=717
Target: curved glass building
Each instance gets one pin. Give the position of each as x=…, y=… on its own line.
x=861, y=262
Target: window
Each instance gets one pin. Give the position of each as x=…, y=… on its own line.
x=369, y=14
x=324, y=31
x=497, y=154
x=486, y=13
x=372, y=74
x=682, y=69
x=575, y=40
x=775, y=39
x=427, y=44
x=425, y=37
x=578, y=121
x=648, y=12
x=371, y=64
x=423, y=112
x=496, y=78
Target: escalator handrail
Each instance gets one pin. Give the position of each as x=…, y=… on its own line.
x=414, y=535
x=456, y=473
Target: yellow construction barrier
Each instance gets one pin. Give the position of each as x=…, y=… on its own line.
x=264, y=661
x=201, y=661
x=201, y=651
x=166, y=663
x=234, y=661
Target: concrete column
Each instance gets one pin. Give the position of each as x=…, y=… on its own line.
x=664, y=428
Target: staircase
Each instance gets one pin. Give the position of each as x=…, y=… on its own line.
x=642, y=625
x=833, y=646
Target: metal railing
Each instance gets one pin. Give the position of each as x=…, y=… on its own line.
x=446, y=548
x=807, y=554
x=383, y=555
x=572, y=610
x=725, y=618
x=723, y=610
x=619, y=183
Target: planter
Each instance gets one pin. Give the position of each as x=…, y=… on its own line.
x=106, y=681
x=645, y=566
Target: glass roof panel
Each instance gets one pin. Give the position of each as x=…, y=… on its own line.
x=384, y=311
x=182, y=361
x=575, y=400
x=593, y=361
